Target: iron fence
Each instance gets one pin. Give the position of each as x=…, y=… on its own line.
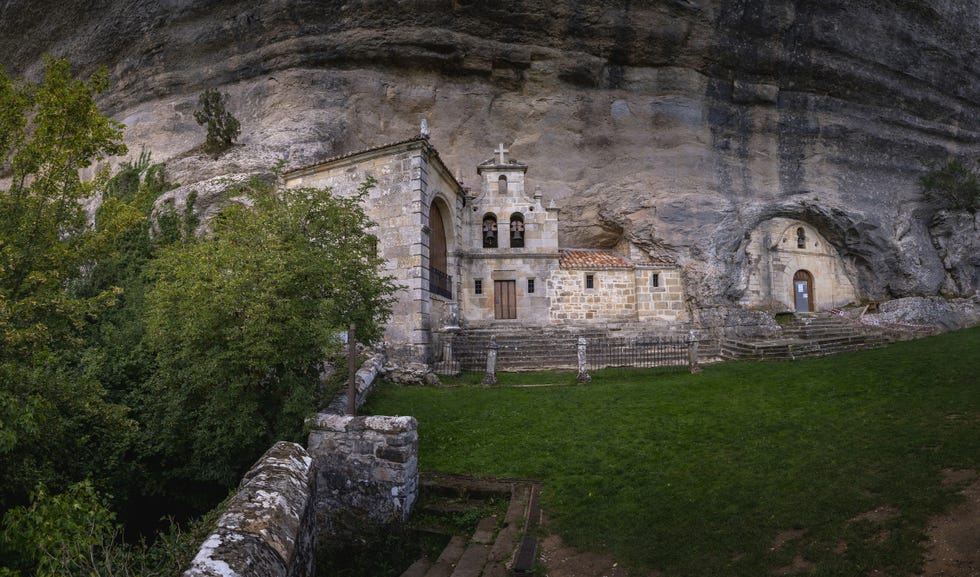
x=440, y=283
x=638, y=352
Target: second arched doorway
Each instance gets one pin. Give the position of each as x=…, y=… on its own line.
x=440, y=281
x=803, y=291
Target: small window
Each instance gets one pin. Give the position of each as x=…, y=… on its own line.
x=655, y=280
x=590, y=281
x=478, y=286
x=530, y=286
x=502, y=185
x=800, y=238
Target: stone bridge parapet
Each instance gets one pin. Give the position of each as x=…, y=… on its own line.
x=268, y=528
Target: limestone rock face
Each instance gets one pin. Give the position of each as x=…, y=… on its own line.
x=929, y=311
x=679, y=124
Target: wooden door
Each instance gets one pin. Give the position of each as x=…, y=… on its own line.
x=803, y=291
x=505, y=299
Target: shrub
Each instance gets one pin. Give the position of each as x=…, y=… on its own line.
x=223, y=128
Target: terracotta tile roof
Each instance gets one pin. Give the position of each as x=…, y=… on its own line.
x=591, y=258
x=416, y=138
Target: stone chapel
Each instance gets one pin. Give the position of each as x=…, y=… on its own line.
x=490, y=258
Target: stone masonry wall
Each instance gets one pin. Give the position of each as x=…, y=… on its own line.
x=532, y=308
x=409, y=176
x=664, y=302
x=613, y=297
x=357, y=468
x=620, y=295
x=268, y=528
x=364, y=380
x=366, y=467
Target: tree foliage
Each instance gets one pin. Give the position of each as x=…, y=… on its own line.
x=76, y=533
x=223, y=128
x=135, y=358
x=952, y=186
x=55, y=424
x=241, y=321
x=71, y=533
x=116, y=355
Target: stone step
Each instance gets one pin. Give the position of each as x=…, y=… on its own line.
x=808, y=335
x=449, y=558
x=418, y=569
x=489, y=551
x=485, y=531
x=786, y=352
x=503, y=546
x=473, y=561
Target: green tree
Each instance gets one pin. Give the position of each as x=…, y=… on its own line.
x=241, y=321
x=71, y=533
x=76, y=533
x=223, y=128
x=56, y=425
x=952, y=186
x=116, y=355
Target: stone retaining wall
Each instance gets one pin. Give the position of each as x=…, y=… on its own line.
x=356, y=467
x=366, y=468
x=364, y=381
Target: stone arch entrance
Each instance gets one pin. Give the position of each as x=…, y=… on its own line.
x=803, y=297
x=440, y=279
x=783, y=252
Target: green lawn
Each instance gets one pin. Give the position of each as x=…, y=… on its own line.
x=698, y=474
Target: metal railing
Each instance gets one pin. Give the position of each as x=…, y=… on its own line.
x=440, y=283
x=638, y=352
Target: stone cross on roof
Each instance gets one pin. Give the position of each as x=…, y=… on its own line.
x=502, y=151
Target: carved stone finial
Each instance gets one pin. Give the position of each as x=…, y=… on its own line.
x=424, y=129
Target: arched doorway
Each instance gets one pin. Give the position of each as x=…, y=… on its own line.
x=440, y=282
x=803, y=291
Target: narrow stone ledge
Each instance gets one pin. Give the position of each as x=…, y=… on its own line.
x=268, y=528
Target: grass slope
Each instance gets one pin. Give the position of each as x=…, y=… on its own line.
x=737, y=471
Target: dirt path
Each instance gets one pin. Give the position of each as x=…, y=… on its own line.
x=562, y=561
x=954, y=538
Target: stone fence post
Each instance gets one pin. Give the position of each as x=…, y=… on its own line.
x=491, y=377
x=583, y=375
x=692, y=352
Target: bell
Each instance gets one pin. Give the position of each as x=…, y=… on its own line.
x=515, y=234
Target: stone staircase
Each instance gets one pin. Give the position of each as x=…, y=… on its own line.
x=524, y=349
x=537, y=348
x=808, y=335
x=497, y=548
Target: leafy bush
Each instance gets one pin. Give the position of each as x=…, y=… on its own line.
x=223, y=128
x=240, y=322
x=75, y=533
